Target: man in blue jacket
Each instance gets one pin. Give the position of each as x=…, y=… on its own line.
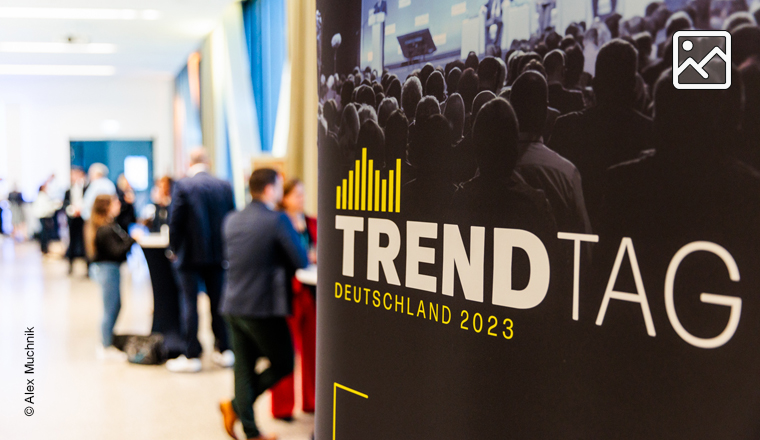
x=263, y=251
x=200, y=202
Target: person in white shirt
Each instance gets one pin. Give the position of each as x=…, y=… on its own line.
x=99, y=184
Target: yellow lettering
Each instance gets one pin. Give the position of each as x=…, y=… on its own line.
x=386, y=305
x=376, y=298
x=338, y=290
x=443, y=315
x=421, y=309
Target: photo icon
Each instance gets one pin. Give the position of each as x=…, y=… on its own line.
x=702, y=60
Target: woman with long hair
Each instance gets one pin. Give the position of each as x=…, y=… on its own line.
x=107, y=247
x=303, y=322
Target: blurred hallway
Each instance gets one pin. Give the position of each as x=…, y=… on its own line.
x=76, y=396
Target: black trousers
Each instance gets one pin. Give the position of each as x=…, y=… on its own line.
x=47, y=233
x=254, y=338
x=76, y=239
x=213, y=278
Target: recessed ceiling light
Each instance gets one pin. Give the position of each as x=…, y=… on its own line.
x=36, y=47
x=79, y=13
x=56, y=70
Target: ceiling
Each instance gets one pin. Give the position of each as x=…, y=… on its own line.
x=155, y=41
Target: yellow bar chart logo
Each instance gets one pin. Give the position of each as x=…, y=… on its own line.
x=364, y=190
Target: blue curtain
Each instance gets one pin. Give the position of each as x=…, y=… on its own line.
x=266, y=35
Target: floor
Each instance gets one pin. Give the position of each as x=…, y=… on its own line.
x=75, y=395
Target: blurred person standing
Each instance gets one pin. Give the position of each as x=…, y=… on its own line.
x=18, y=217
x=263, y=250
x=200, y=202
x=72, y=203
x=107, y=247
x=162, y=200
x=303, y=321
x=45, y=208
x=127, y=199
x=99, y=184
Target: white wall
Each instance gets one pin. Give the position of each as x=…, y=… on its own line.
x=40, y=115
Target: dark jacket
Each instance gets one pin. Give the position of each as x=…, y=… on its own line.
x=264, y=251
x=564, y=100
x=112, y=244
x=596, y=139
x=199, y=205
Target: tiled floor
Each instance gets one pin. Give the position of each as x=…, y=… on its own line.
x=78, y=397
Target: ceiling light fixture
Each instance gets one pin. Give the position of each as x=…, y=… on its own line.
x=38, y=47
x=79, y=13
x=56, y=70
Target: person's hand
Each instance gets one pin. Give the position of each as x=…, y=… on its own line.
x=129, y=197
x=137, y=234
x=312, y=256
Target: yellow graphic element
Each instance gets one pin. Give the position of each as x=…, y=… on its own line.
x=370, y=174
x=365, y=191
x=377, y=190
x=350, y=190
x=336, y=385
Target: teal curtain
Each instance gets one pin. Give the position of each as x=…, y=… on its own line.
x=265, y=23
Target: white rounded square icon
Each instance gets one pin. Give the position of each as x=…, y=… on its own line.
x=702, y=60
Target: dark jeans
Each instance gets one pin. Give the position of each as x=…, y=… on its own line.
x=47, y=233
x=213, y=278
x=253, y=338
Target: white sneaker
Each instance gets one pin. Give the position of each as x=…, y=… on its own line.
x=225, y=359
x=184, y=365
x=110, y=354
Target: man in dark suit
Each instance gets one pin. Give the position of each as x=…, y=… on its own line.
x=200, y=202
x=72, y=203
x=608, y=133
x=263, y=250
x=564, y=100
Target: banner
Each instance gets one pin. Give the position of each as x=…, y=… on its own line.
x=512, y=249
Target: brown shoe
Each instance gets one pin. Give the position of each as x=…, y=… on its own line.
x=229, y=417
x=265, y=437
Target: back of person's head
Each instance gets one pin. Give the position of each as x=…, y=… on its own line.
x=411, y=94
x=372, y=138
x=394, y=89
x=330, y=113
x=472, y=61
x=697, y=123
x=612, y=22
x=567, y=41
x=652, y=7
x=535, y=66
x=541, y=49
x=529, y=97
x=680, y=21
x=737, y=19
x=425, y=72
x=100, y=216
x=386, y=107
x=431, y=152
x=513, y=60
x=427, y=106
x=616, y=66
x=455, y=113
x=198, y=156
x=552, y=40
x=572, y=30
x=480, y=100
x=377, y=88
x=436, y=86
x=643, y=44
x=260, y=179
x=554, y=64
x=452, y=80
x=746, y=43
x=346, y=92
x=366, y=112
x=97, y=171
x=349, y=131
x=396, y=136
x=494, y=136
x=488, y=73
x=468, y=87
x=365, y=95
x=524, y=59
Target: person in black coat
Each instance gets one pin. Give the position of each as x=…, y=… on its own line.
x=263, y=250
x=200, y=202
x=608, y=133
x=564, y=100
